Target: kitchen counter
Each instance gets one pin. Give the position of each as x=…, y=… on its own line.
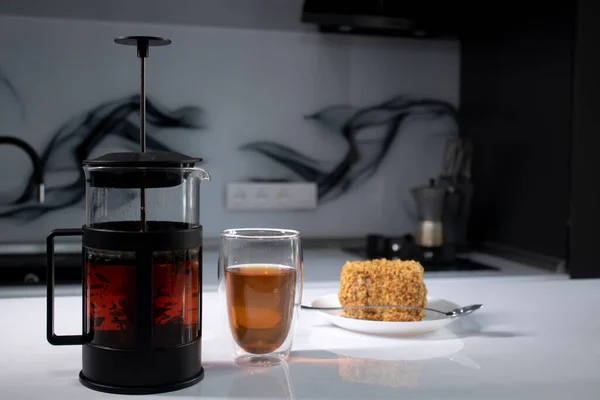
x=324, y=265
x=534, y=339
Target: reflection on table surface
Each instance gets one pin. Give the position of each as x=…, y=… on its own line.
x=334, y=363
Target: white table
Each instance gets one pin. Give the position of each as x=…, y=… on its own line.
x=532, y=340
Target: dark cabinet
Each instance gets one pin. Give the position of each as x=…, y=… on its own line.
x=529, y=95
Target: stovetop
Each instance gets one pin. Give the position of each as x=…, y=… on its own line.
x=30, y=269
x=460, y=263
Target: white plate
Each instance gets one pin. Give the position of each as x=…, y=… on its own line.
x=431, y=322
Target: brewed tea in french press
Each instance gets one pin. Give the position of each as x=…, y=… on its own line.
x=142, y=266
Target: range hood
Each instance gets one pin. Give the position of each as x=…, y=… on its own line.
x=416, y=18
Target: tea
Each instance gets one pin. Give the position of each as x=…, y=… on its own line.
x=111, y=298
x=176, y=309
x=260, y=305
x=110, y=286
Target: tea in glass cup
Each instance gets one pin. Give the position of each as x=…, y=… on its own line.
x=260, y=286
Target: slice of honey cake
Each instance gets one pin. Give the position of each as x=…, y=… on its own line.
x=383, y=282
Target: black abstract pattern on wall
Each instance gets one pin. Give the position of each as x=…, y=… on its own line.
x=74, y=141
x=7, y=85
x=363, y=155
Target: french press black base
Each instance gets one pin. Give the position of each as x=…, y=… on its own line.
x=172, y=358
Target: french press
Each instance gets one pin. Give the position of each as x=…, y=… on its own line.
x=142, y=267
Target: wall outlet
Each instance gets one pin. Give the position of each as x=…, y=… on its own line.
x=271, y=196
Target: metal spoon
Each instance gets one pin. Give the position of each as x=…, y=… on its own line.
x=457, y=312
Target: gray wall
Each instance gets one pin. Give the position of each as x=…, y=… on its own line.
x=240, y=86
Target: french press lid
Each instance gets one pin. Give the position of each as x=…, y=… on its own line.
x=139, y=170
x=148, y=159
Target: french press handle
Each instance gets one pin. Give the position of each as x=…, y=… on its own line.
x=54, y=339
